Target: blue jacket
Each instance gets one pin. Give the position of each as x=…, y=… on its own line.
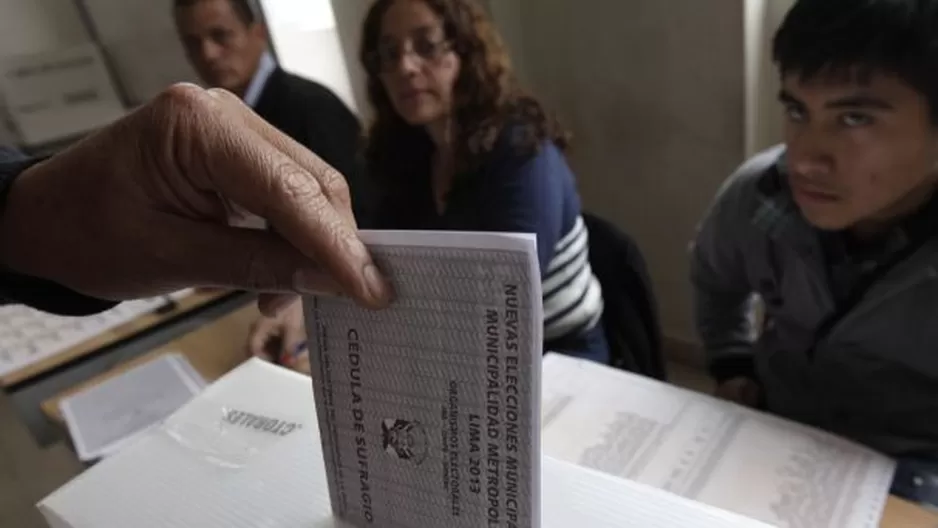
x=520, y=191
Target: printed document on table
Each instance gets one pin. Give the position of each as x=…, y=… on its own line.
x=428, y=410
x=104, y=418
x=712, y=451
x=29, y=336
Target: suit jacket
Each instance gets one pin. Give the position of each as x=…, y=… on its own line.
x=315, y=117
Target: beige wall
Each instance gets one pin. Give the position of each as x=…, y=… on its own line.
x=307, y=42
x=349, y=16
x=763, y=113
x=654, y=92
x=509, y=15
x=317, y=55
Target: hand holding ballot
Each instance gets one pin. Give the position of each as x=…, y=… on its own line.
x=142, y=208
x=281, y=338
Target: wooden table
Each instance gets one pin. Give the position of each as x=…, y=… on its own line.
x=213, y=350
x=144, y=322
x=902, y=514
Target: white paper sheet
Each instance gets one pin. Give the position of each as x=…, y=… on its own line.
x=429, y=409
x=709, y=450
x=106, y=417
x=207, y=467
x=590, y=497
x=28, y=336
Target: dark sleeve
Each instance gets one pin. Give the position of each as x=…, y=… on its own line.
x=334, y=133
x=525, y=194
x=37, y=293
x=723, y=300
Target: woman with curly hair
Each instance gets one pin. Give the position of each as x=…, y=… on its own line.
x=457, y=145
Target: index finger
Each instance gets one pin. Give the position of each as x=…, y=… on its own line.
x=334, y=184
x=247, y=169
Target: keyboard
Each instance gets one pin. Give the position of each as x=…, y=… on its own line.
x=28, y=336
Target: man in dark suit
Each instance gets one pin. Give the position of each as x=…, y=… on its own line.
x=227, y=43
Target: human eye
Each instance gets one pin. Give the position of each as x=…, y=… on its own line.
x=424, y=47
x=427, y=47
x=795, y=113
x=388, y=53
x=221, y=36
x=855, y=119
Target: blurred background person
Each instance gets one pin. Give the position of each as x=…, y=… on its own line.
x=227, y=43
x=457, y=145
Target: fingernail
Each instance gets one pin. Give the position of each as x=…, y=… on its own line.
x=377, y=285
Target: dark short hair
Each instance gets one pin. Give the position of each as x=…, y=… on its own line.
x=246, y=10
x=856, y=38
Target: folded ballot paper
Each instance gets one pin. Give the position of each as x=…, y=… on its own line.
x=429, y=410
x=246, y=453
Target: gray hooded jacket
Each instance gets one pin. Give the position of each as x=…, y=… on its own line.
x=869, y=373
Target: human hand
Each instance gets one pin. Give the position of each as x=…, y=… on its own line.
x=142, y=208
x=280, y=338
x=743, y=391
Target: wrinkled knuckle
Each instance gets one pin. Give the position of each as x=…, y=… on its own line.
x=223, y=95
x=335, y=184
x=183, y=99
x=183, y=104
x=297, y=186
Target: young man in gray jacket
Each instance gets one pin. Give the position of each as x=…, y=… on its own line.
x=836, y=233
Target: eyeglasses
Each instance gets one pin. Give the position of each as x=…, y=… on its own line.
x=388, y=56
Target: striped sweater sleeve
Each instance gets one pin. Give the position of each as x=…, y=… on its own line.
x=525, y=196
x=532, y=196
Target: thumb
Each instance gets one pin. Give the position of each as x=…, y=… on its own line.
x=250, y=259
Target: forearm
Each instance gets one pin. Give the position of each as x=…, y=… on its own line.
x=19, y=287
x=725, y=320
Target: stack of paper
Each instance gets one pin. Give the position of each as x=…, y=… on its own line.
x=106, y=417
x=429, y=409
x=246, y=454
x=709, y=450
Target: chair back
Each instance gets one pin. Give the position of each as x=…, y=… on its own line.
x=630, y=318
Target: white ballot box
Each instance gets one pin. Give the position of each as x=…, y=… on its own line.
x=246, y=453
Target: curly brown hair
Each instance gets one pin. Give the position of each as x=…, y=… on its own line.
x=487, y=98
